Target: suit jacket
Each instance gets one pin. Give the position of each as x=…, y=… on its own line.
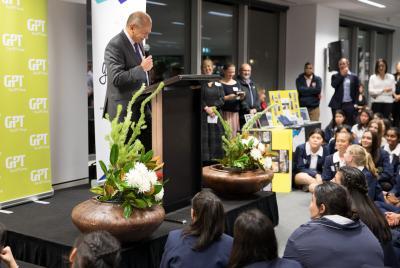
x=246, y=104
x=124, y=75
x=337, y=83
x=309, y=96
x=178, y=252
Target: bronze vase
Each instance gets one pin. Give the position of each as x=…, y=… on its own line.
x=93, y=215
x=231, y=182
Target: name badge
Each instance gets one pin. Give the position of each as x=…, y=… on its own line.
x=333, y=168
x=235, y=89
x=218, y=84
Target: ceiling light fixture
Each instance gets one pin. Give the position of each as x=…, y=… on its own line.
x=178, y=23
x=372, y=3
x=156, y=3
x=221, y=14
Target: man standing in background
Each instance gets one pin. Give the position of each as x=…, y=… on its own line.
x=309, y=88
x=127, y=69
x=251, y=103
x=346, y=85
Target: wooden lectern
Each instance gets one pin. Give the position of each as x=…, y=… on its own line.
x=176, y=136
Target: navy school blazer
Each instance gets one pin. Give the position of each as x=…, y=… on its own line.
x=301, y=162
x=374, y=188
x=385, y=168
x=331, y=166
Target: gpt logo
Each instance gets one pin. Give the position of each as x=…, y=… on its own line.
x=12, y=41
x=16, y=161
x=12, y=4
x=39, y=174
x=38, y=105
x=101, y=1
x=14, y=82
x=14, y=122
x=36, y=26
x=38, y=140
x=37, y=66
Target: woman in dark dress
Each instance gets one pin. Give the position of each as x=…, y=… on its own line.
x=396, y=96
x=212, y=95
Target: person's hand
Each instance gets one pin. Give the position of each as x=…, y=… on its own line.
x=253, y=111
x=209, y=111
x=344, y=71
x=147, y=63
x=387, y=90
x=242, y=95
x=392, y=218
x=7, y=257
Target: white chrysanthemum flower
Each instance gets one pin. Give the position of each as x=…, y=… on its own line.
x=245, y=141
x=160, y=195
x=261, y=147
x=268, y=162
x=255, y=141
x=255, y=154
x=141, y=178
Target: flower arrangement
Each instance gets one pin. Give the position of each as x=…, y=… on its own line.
x=131, y=177
x=244, y=152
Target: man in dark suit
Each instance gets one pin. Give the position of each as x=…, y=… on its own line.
x=251, y=104
x=309, y=88
x=127, y=69
x=346, y=86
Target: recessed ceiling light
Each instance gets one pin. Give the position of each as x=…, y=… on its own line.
x=372, y=3
x=156, y=3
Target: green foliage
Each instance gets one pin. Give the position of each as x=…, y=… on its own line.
x=124, y=154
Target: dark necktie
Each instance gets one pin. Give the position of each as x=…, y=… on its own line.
x=137, y=52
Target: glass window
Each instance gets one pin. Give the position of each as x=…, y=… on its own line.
x=218, y=40
x=364, y=56
x=345, y=33
x=167, y=39
x=263, y=48
x=381, y=45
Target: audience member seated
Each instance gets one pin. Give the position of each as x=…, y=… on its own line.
x=340, y=129
x=337, y=120
x=234, y=97
x=95, y=250
x=203, y=243
x=376, y=125
x=309, y=159
x=333, y=238
x=357, y=157
x=393, y=149
x=255, y=243
x=334, y=161
x=355, y=182
x=370, y=141
x=363, y=120
x=6, y=256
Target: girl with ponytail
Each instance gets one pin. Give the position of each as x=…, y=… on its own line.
x=356, y=156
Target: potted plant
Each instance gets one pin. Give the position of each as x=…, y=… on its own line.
x=128, y=204
x=245, y=167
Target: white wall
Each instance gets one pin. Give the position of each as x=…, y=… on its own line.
x=300, y=41
x=67, y=90
x=327, y=30
x=309, y=30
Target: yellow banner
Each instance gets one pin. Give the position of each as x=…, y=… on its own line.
x=24, y=116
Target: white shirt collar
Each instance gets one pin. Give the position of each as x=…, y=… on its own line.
x=320, y=151
x=336, y=159
x=130, y=39
x=396, y=150
x=360, y=168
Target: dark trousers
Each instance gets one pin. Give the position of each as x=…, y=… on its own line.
x=384, y=108
x=349, y=111
x=396, y=114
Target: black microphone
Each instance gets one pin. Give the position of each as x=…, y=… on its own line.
x=146, y=50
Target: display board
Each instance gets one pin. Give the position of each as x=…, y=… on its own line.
x=278, y=140
x=25, y=169
x=287, y=104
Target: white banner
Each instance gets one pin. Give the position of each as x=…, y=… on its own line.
x=108, y=19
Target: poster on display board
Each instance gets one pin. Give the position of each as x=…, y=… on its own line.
x=25, y=167
x=108, y=19
x=287, y=104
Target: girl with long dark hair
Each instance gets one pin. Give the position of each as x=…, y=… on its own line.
x=338, y=119
x=255, y=243
x=203, y=243
x=364, y=117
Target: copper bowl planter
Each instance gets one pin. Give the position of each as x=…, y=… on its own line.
x=93, y=215
x=234, y=182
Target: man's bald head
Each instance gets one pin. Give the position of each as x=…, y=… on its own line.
x=138, y=26
x=139, y=19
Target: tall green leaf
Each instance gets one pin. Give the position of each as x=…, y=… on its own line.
x=114, y=154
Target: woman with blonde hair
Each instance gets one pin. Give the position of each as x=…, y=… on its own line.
x=356, y=156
